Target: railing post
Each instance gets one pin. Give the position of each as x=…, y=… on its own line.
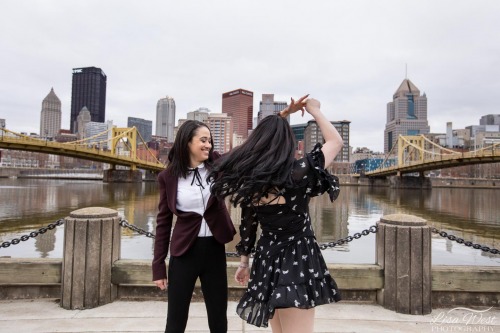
x=91, y=245
x=403, y=244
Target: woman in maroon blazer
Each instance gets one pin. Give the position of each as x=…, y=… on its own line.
x=202, y=228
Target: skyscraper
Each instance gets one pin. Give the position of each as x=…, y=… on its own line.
x=2, y=126
x=165, y=118
x=269, y=107
x=238, y=104
x=50, y=118
x=201, y=114
x=89, y=90
x=406, y=114
x=143, y=126
x=490, y=119
x=313, y=135
x=221, y=128
x=82, y=119
x=103, y=140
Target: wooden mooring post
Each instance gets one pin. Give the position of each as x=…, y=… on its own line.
x=91, y=245
x=403, y=244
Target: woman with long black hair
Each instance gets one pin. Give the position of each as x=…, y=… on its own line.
x=202, y=228
x=289, y=276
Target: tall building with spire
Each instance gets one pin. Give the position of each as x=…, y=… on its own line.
x=406, y=114
x=238, y=104
x=88, y=90
x=165, y=118
x=50, y=117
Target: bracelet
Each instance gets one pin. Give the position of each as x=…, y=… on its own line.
x=243, y=266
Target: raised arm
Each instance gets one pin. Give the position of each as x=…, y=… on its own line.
x=333, y=141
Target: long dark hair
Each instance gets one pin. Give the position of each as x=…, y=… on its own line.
x=260, y=165
x=178, y=157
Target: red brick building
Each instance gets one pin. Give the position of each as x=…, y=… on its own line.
x=238, y=104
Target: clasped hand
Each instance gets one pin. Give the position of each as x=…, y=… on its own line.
x=303, y=104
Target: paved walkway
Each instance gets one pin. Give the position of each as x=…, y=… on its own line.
x=26, y=316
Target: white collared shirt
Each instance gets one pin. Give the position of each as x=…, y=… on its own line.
x=194, y=198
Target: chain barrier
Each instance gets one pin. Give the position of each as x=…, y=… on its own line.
x=32, y=234
x=323, y=246
x=466, y=243
x=373, y=229
x=124, y=224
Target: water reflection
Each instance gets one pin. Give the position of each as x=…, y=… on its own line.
x=46, y=243
x=472, y=214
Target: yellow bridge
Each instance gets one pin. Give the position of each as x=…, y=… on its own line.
x=418, y=154
x=410, y=153
x=119, y=149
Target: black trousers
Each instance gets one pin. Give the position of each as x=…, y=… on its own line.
x=206, y=259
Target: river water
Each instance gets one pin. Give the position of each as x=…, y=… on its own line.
x=472, y=214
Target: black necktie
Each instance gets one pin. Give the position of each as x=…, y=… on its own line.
x=197, y=178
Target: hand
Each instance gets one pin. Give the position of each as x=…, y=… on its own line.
x=295, y=106
x=162, y=284
x=242, y=275
x=312, y=105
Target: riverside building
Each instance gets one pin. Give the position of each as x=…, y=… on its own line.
x=238, y=104
x=88, y=90
x=268, y=106
x=165, y=118
x=143, y=126
x=406, y=114
x=221, y=128
x=312, y=135
x=50, y=117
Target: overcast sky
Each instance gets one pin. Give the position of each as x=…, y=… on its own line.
x=351, y=55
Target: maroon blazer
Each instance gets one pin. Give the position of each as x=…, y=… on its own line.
x=187, y=226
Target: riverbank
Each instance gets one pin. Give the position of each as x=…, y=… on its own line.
x=63, y=174
x=349, y=180
x=437, y=182
x=77, y=174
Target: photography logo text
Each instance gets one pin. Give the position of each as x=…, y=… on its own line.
x=464, y=320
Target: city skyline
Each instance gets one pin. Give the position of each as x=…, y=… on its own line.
x=350, y=56
x=179, y=121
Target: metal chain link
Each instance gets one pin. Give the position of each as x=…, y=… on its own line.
x=32, y=234
x=373, y=229
x=124, y=224
x=323, y=246
x=464, y=242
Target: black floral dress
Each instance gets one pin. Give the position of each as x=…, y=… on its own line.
x=288, y=269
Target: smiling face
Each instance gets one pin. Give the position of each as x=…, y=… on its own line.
x=199, y=146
